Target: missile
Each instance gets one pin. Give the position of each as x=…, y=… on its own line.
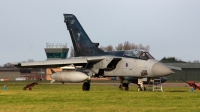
x=69, y=76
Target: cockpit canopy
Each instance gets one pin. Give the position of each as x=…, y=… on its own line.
x=138, y=53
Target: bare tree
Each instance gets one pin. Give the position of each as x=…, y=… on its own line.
x=127, y=45
x=102, y=48
x=133, y=46
x=109, y=48
x=119, y=47
x=141, y=46
x=8, y=65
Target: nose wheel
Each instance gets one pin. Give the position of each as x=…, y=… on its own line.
x=141, y=88
x=140, y=85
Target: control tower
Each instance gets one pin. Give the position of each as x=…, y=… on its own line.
x=56, y=51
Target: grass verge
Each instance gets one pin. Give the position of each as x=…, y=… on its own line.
x=101, y=98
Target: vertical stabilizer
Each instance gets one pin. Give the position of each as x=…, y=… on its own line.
x=83, y=46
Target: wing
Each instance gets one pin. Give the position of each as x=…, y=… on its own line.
x=58, y=63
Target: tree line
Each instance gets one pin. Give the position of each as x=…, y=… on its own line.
x=176, y=60
x=125, y=46
x=121, y=46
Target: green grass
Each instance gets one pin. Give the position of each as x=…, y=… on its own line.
x=101, y=98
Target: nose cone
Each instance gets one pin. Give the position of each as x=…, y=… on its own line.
x=159, y=69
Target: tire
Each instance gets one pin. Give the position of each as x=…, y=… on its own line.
x=86, y=86
x=140, y=89
x=125, y=85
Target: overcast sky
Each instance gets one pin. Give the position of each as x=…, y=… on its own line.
x=169, y=27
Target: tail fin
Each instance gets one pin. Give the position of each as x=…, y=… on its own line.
x=83, y=46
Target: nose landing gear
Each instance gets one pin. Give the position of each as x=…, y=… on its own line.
x=140, y=85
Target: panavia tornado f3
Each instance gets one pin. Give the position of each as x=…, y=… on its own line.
x=90, y=60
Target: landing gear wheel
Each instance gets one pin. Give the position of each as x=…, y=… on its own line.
x=123, y=86
x=86, y=86
x=142, y=89
x=139, y=89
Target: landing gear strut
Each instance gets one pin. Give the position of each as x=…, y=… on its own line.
x=140, y=85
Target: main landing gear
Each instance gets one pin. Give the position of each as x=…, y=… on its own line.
x=86, y=85
x=123, y=85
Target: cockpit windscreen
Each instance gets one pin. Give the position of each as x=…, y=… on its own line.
x=139, y=54
x=146, y=56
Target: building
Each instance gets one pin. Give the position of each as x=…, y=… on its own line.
x=55, y=51
x=9, y=73
x=33, y=73
x=190, y=71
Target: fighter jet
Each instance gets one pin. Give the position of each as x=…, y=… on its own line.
x=90, y=60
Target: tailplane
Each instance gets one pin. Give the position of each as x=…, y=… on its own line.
x=83, y=46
